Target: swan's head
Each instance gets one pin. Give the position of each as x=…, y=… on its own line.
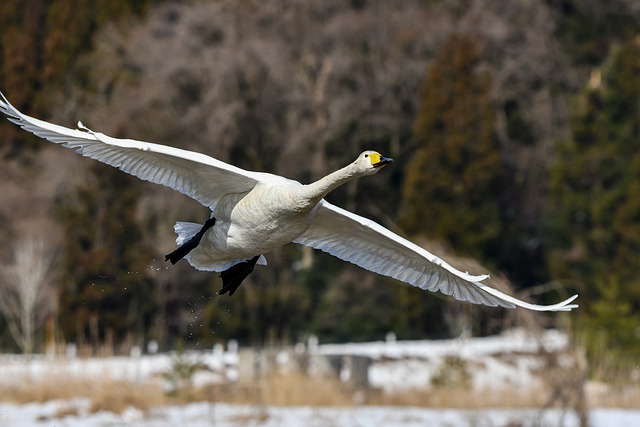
x=370, y=162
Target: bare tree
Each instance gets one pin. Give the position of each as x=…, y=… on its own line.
x=25, y=290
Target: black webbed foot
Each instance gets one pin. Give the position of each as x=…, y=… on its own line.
x=190, y=244
x=233, y=276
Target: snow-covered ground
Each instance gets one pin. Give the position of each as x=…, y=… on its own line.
x=512, y=360
x=508, y=359
x=221, y=366
x=222, y=415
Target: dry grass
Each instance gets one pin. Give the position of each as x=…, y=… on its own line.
x=115, y=396
x=616, y=396
x=459, y=397
x=293, y=389
x=104, y=394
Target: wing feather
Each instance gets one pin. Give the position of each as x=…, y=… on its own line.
x=365, y=243
x=199, y=176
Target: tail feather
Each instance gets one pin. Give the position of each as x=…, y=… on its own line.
x=185, y=231
x=191, y=242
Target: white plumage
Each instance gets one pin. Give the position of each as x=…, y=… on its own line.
x=257, y=212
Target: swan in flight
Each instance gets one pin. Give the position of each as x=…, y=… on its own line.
x=253, y=213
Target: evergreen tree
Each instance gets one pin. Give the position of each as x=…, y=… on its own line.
x=452, y=186
x=595, y=211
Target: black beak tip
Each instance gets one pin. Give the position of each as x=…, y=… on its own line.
x=383, y=162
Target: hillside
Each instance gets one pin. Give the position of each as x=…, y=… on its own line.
x=299, y=89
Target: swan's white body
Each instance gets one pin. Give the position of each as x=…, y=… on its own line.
x=257, y=212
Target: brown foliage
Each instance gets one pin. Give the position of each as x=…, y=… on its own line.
x=296, y=88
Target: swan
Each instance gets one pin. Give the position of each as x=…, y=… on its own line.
x=253, y=213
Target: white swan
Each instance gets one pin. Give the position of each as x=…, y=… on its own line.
x=253, y=213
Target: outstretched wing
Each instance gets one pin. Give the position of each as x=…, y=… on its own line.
x=199, y=176
x=365, y=243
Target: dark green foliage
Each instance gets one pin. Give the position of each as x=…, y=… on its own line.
x=418, y=314
x=452, y=186
x=355, y=307
x=587, y=27
x=597, y=172
x=106, y=288
x=269, y=307
x=594, y=208
x=518, y=128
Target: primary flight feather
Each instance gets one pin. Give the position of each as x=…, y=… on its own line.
x=253, y=213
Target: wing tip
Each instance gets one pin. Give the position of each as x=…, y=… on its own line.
x=566, y=304
x=561, y=306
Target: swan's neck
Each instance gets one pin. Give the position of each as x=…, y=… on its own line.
x=317, y=190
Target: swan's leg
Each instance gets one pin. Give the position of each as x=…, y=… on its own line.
x=190, y=244
x=233, y=276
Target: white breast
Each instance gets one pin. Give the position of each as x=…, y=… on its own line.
x=268, y=217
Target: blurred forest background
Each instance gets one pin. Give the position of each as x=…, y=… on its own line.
x=515, y=128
